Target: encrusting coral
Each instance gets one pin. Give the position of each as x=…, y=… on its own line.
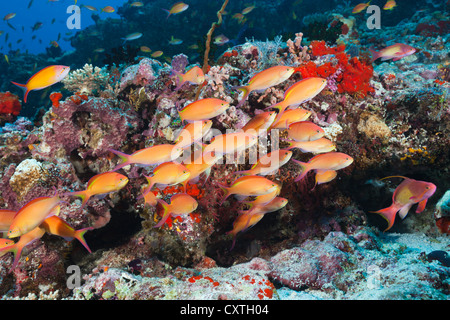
x=88, y=80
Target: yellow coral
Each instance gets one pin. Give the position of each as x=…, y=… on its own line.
x=416, y=155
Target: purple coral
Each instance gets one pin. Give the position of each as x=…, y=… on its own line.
x=91, y=128
x=140, y=74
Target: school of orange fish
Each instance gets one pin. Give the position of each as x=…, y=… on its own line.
x=40, y=215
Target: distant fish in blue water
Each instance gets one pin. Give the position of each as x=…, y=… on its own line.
x=176, y=9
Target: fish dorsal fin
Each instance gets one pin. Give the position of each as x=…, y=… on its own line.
x=395, y=177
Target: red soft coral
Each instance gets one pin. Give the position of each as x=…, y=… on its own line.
x=319, y=48
x=326, y=70
x=307, y=69
x=9, y=103
x=355, y=76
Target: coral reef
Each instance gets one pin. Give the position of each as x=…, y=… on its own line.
x=391, y=117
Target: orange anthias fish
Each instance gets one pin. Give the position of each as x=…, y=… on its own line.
x=269, y=163
x=176, y=8
x=101, y=184
x=320, y=145
x=229, y=143
x=407, y=194
x=44, y=78
x=394, y=52
x=108, y=9
x=192, y=132
x=5, y=243
x=33, y=214
x=305, y=131
x=264, y=199
x=300, y=92
x=180, y=204
x=249, y=186
x=150, y=156
x=276, y=204
x=360, y=7
x=167, y=174
x=194, y=75
x=265, y=79
x=249, y=218
x=151, y=199
x=203, y=109
x=291, y=116
x=261, y=121
x=324, y=176
x=57, y=226
x=324, y=161
x=242, y=223
x=200, y=164
x=390, y=5
x=24, y=240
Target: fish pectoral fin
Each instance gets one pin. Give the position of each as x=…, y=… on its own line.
x=421, y=206
x=420, y=196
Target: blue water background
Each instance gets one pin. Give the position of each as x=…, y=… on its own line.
x=45, y=11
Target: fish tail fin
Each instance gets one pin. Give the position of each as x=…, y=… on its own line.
x=375, y=54
x=388, y=214
x=79, y=235
x=234, y=234
x=83, y=194
x=180, y=113
x=16, y=251
x=180, y=80
x=185, y=184
x=226, y=191
x=168, y=13
x=148, y=188
x=234, y=241
x=150, y=182
x=280, y=107
x=166, y=213
x=246, y=91
x=288, y=141
x=25, y=90
x=125, y=158
x=304, y=167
